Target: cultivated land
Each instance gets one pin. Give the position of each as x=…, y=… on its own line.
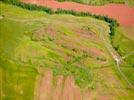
x=121, y=12
x=63, y=54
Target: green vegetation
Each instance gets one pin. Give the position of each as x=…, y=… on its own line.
x=130, y=2
x=100, y=2
x=112, y=23
x=31, y=39
x=17, y=81
x=125, y=47
x=95, y=2
x=29, y=6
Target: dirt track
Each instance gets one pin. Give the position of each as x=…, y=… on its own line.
x=121, y=12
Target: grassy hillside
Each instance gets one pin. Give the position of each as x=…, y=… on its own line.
x=124, y=44
x=101, y=2
x=30, y=40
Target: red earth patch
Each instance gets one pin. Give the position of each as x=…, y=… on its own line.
x=121, y=12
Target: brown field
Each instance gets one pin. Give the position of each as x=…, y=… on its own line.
x=123, y=13
x=64, y=88
x=60, y=88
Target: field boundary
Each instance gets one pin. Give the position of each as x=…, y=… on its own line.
x=112, y=24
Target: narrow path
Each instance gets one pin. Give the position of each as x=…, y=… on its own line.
x=114, y=54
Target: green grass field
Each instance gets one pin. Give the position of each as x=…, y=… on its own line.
x=101, y=2
x=31, y=39
x=124, y=44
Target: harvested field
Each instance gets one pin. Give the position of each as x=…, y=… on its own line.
x=123, y=13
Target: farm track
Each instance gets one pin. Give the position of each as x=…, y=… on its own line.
x=115, y=55
x=104, y=38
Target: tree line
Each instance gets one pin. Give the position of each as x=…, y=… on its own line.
x=112, y=22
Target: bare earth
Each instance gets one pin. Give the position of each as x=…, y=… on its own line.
x=60, y=88
x=63, y=88
x=123, y=13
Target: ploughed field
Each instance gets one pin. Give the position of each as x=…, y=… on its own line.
x=123, y=13
x=60, y=57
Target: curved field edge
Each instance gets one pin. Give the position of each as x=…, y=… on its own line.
x=15, y=47
x=112, y=23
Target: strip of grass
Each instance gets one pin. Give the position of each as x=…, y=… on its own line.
x=95, y=2
x=101, y=2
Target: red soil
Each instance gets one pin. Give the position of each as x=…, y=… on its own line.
x=121, y=12
x=96, y=51
x=63, y=89
x=45, y=86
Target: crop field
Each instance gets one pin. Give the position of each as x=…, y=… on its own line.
x=40, y=52
x=101, y=2
x=123, y=13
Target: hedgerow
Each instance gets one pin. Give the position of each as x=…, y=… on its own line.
x=112, y=22
x=29, y=6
